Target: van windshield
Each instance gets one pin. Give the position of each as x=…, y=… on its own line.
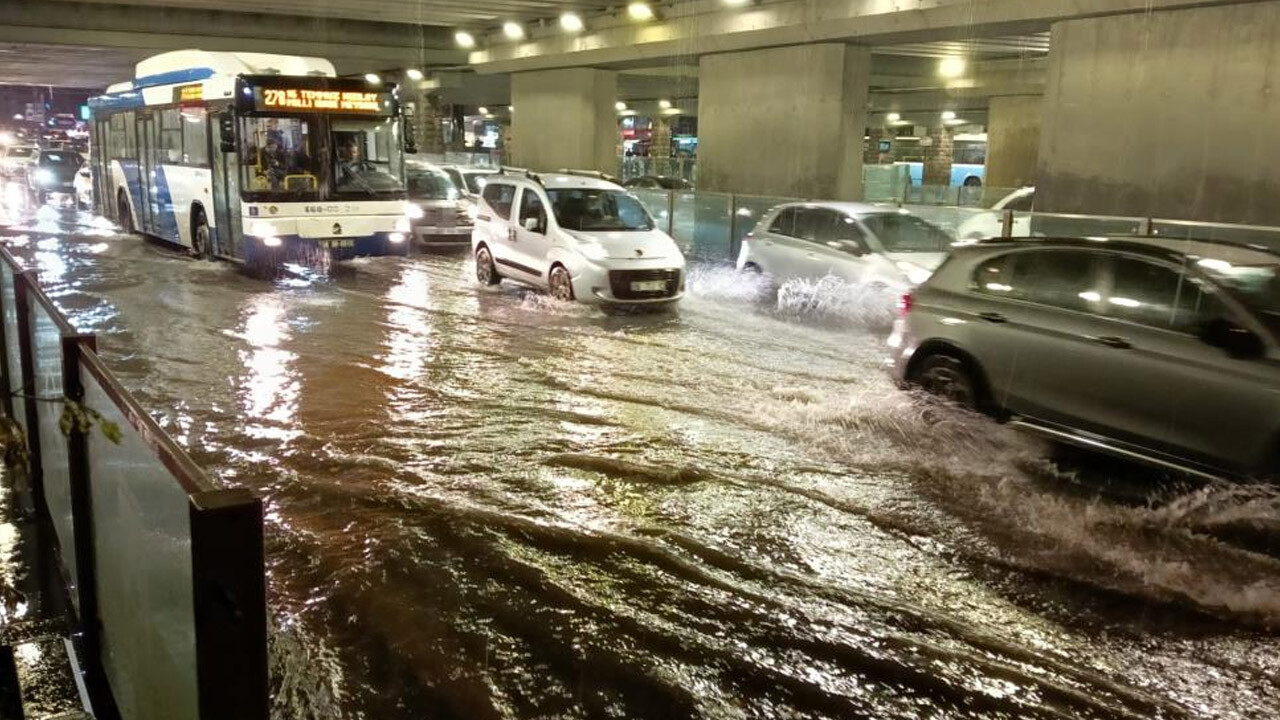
x=598, y=209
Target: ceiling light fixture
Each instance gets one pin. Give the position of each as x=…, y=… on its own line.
x=948, y=115
x=619, y=106
x=664, y=104
x=464, y=39
x=372, y=78
x=952, y=67
x=413, y=74
x=513, y=30
x=640, y=11
x=483, y=110
x=571, y=22
x=893, y=117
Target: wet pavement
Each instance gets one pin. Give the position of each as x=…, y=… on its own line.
x=483, y=503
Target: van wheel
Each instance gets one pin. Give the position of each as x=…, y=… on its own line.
x=486, y=271
x=200, y=235
x=561, y=284
x=948, y=378
x=122, y=208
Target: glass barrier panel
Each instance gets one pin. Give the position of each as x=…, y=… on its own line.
x=884, y=183
x=46, y=350
x=658, y=203
x=142, y=545
x=1052, y=225
x=702, y=225
x=960, y=222
x=1261, y=238
x=12, y=351
x=747, y=212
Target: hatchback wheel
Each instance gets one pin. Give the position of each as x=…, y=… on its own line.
x=561, y=284
x=486, y=272
x=948, y=378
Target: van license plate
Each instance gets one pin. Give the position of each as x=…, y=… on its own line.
x=648, y=285
x=338, y=243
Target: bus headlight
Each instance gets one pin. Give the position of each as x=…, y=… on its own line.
x=402, y=225
x=396, y=237
x=261, y=228
x=271, y=241
x=413, y=212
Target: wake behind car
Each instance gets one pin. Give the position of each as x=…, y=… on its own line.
x=582, y=238
x=1156, y=349
x=861, y=244
x=438, y=212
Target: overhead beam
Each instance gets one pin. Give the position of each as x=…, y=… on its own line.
x=696, y=29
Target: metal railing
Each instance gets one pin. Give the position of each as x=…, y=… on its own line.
x=685, y=167
x=164, y=570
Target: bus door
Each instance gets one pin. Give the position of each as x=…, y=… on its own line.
x=226, y=193
x=146, y=166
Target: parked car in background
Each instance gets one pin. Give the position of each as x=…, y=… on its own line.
x=16, y=160
x=990, y=224
x=469, y=180
x=581, y=238
x=862, y=244
x=1146, y=347
x=53, y=172
x=657, y=182
x=438, y=212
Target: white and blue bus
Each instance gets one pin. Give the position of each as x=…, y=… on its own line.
x=262, y=158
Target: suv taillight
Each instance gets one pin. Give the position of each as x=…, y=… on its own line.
x=905, y=301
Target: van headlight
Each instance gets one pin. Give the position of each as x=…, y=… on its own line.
x=44, y=176
x=413, y=212
x=915, y=274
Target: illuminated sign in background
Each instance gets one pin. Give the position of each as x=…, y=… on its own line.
x=341, y=101
x=189, y=93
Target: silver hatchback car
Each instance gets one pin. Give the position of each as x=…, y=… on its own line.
x=1158, y=349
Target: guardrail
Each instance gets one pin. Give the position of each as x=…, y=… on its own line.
x=164, y=570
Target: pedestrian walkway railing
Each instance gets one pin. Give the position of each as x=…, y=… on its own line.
x=163, y=568
x=710, y=226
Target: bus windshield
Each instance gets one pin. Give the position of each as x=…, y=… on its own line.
x=279, y=155
x=367, y=157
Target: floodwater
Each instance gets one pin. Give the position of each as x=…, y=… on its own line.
x=486, y=504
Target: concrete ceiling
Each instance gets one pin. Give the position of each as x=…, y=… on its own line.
x=464, y=13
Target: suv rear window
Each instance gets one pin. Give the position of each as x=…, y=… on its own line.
x=499, y=196
x=1065, y=279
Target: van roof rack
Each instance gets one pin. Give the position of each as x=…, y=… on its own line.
x=526, y=172
x=588, y=173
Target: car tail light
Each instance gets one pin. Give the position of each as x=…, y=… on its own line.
x=905, y=301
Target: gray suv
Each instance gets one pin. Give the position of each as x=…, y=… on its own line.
x=1158, y=349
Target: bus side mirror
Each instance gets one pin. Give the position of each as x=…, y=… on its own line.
x=226, y=132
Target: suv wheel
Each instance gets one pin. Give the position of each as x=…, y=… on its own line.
x=486, y=271
x=561, y=284
x=948, y=378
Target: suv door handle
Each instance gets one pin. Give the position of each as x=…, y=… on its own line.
x=993, y=317
x=1112, y=341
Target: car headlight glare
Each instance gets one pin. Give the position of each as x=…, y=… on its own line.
x=396, y=237
x=271, y=241
x=44, y=176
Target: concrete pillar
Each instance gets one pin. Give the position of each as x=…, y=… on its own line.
x=1164, y=114
x=1013, y=140
x=661, y=140
x=784, y=121
x=570, y=117
x=428, y=121
x=938, y=155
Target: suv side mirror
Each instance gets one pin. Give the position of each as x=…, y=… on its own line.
x=1239, y=343
x=226, y=132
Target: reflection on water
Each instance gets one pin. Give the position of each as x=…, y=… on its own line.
x=483, y=503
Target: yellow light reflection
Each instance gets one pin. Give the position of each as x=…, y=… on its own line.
x=270, y=386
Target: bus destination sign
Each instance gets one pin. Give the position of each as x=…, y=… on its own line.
x=339, y=101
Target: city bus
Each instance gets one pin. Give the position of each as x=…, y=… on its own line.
x=254, y=157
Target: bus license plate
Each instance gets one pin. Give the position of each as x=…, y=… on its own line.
x=648, y=285
x=340, y=243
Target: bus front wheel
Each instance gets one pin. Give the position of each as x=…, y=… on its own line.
x=200, y=234
x=126, y=216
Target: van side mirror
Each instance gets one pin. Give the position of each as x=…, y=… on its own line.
x=226, y=131
x=1238, y=342
x=533, y=224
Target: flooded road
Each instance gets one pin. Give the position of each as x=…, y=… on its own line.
x=485, y=504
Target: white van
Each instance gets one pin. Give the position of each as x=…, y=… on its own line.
x=581, y=238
